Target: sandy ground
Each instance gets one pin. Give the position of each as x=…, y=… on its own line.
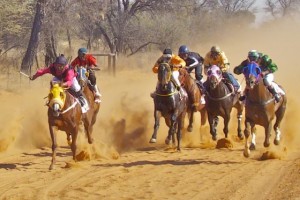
x=121, y=164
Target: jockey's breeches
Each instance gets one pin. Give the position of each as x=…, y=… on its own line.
x=198, y=72
x=268, y=79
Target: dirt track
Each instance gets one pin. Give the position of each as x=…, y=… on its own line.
x=123, y=165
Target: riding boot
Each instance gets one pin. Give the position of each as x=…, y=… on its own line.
x=83, y=102
x=275, y=94
x=97, y=94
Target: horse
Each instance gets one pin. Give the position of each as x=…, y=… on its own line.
x=220, y=99
x=170, y=104
x=195, y=95
x=64, y=112
x=260, y=108
x=89, y=118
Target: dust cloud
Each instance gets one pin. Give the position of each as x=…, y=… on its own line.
x=125, y=120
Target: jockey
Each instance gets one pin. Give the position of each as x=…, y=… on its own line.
x=217, y=57
x=267, y=68
x=175, y=63
x=88, y=61
x=63, y=73
x=193, y=61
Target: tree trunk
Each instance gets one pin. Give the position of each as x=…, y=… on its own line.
x=34, y=38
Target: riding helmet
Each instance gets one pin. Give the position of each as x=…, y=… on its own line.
x=215, y=49
x=61, y=60
x=82, y=50
x=183, y=49
x=253, y=55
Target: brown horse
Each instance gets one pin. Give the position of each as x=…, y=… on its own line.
x=261, y=108
x=169, y=104
x=64, y=112
x=89, y=118
x=220, y=99
x=194, y=94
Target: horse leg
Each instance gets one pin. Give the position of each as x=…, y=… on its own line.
x=240, y=108
x=191, y=120
x=179, y=128
x=279, y=116
x=54, y=145
x=268, y=129
x=212, y=126
x=69, y=138
x=157, y=115
x=253, y=134
x=171, y=129
x=226, y=122
x=88, y=129
x=247, y=134
x=74, y=139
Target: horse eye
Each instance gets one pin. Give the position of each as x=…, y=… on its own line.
x=209, y=72
x=219, y=72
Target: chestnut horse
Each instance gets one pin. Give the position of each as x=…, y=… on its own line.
x=169, y=104
x=261, y=108
x=220, y=99
x=194, y=94
x=64, y=112
x=90, y=116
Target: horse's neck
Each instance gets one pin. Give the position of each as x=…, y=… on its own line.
x=220, y=90
x=170, y=87
x=259, y=93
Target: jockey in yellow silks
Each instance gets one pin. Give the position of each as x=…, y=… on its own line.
x=175, y=63
x=217, y=57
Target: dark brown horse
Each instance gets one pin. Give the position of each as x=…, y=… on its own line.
x=220, y=99
x=168, y=104
x=261, y=108
x=89, y=118
x=194, y=94
x=64, y=113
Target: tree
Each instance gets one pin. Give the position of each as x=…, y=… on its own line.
x=34, y=38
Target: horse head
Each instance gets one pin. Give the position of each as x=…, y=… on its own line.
x=252, y=74
x=82, y=75
x=56, y=97
x=164, y=75
x=214, y=75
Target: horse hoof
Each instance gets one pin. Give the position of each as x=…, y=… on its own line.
x=247, y=153
x=266, y=144
x=214, y=138
x=252, y=147
x=276, y=142
x=51, y=167
x=167, y=141
x=241, y=136
x=91, y=140
x=152, y=140
x=190, y=129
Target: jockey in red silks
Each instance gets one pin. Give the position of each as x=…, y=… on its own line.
x=88, y=61
x=64, y=74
